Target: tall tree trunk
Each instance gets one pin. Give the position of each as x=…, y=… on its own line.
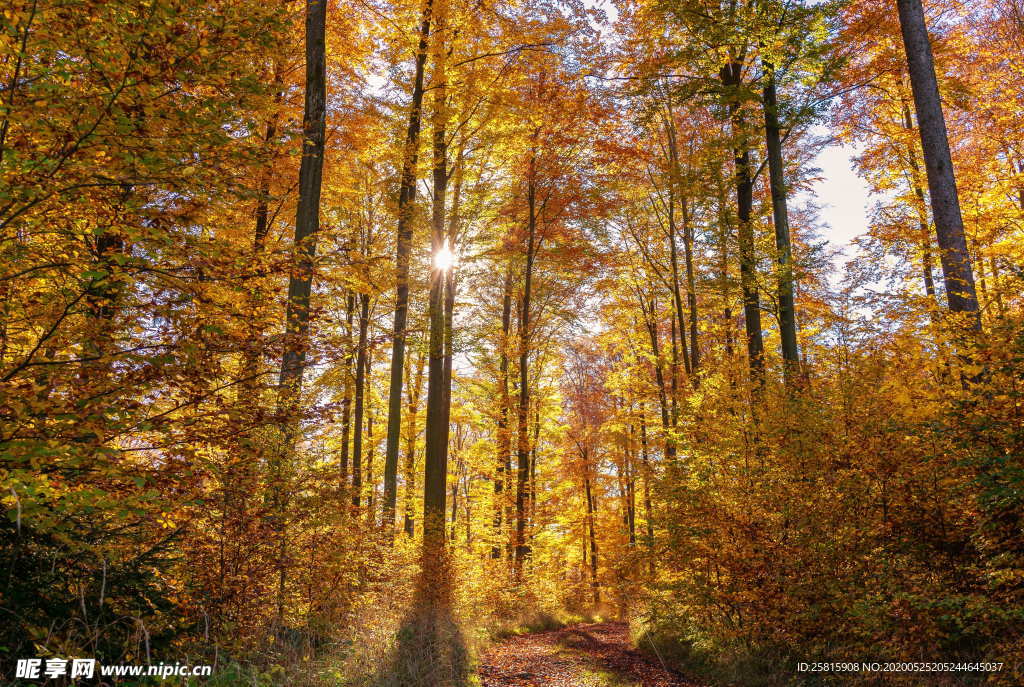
x=346, y=403
x=693, y=364
x=457, y=457
x=731, y=75
x=724, y=222
x=307, y=226
x=674, y=369
x=650, y=316
x=780, y=216
x=436, y=459
x=467, y=498
x=406, y=200
x=357, y=422
x=435, y=462
x=531, y=492
x=629, y=484
x=592, y=535
x=949, y=227
x=691, y=287
x=523, y=448
x=441, y=152
x=648, y=515
x=371, y=487
x=410, y=444
x=675, y=189
x=504, y=431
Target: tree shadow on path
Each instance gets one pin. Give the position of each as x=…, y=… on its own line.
x=430, y=650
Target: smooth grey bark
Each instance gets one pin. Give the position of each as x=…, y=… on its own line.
x=406, y=199
x=957, y=270
x=783, y=244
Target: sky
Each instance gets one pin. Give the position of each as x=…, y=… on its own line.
x=843, y=197
x=842, y=194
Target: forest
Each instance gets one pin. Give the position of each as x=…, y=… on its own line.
x=430, y=343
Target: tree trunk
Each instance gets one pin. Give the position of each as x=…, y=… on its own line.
x=949, y=227
x=504, y=432
x=346, y=403
x=406, y=199
x=531, y=492
x=724, y=222
x=307, y=226
x=731, y=75
x=691, y=287
x=648, y=515
x=523, y=449
x=780, y=216
x=436, y=460
x=629, y=493
x=650, y=316
x=410, y=445
x=307, y=219
x=675, y=190
x=357, y=422
x=592, y=535
x=455, y=497
x=371, y=487
x=441, y=152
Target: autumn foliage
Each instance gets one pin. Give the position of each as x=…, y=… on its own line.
x=646, y=387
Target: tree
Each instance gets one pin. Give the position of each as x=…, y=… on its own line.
x=949, y=226
x=406, y=197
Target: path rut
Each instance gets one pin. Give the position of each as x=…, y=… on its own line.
x=585, y=655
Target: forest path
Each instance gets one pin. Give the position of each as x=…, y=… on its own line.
x=585, y=655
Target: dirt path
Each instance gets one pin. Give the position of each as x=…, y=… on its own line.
x=578, y=656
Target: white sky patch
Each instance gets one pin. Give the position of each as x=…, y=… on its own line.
x=844, y=198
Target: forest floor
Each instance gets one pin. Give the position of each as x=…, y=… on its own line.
x=585, y=655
